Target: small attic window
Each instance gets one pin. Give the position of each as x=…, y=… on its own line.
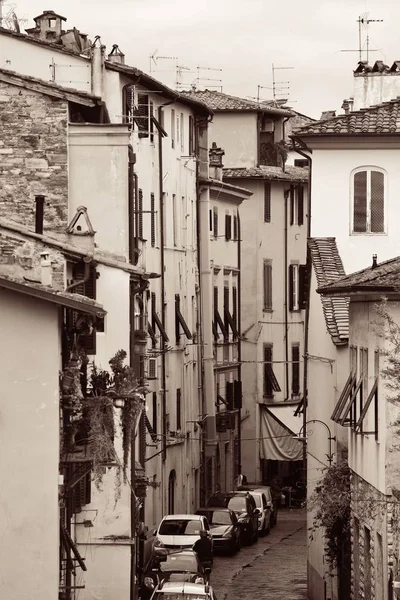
x=52, y=22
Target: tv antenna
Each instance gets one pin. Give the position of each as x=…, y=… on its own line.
x=180, y=71
x=259, y=88
x=9, y=19
x=153, y=58
x=217, y=81
x=363, y=23
x=280, y=88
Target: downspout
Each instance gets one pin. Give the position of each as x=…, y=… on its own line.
x=286, y=195
x=162, y=268
x=132, y=199
x=307, y=309
x=86, y=275
x=239, y=343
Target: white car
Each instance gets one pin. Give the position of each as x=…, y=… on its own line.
x=265, y=507
x=183, y=591
x=180, y=531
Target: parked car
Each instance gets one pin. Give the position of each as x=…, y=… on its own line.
x=265, y=508
x=183, y=565
x=274, y=509
x=183, y=591
x=244, y=506
x=224, y=527
x=179, y=531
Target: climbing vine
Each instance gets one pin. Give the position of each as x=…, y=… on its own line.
x=330, y=503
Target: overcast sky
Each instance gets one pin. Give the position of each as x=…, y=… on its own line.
x=241, y=37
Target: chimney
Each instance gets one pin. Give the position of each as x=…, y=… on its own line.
x=98, y=51
x=116, y=56
x=327, y=114
x=374, y=261
x=215, y=162
x=46, y=275
x=48, y=26
x=375, y=84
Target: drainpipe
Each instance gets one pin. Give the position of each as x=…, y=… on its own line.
x=86, y=275
x=286, y=195
x=162, y=268
x=307, y=309
x=238, y=323
x=132, y=195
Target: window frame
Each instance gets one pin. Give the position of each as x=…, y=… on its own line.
x=369, y=169
x=267, y=286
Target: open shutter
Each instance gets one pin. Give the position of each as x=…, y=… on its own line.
x=304, y=285
x=191, y=136
x=300, y=205
x=153, y=221
x=237, y=394
x=140, y=214
x=228, y=227
x=142, y=115
x=235, y=227
x=267, y=202
x=215, y=222
x=88, y=288
x=292, y=205
x=229, y=395
x=291, y=287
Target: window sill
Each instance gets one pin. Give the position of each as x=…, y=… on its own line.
x=268, y=310
x=367, y=233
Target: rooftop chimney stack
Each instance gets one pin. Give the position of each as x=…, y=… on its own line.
x=215, y=162
x=116, y=56
x=48, y=26
x=374, y=84
x=46, y=270
x=98, y=51
x=374, y=261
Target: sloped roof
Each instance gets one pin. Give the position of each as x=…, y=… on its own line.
x=328, y=268
x=266, y=172
x=49, y=88
x=220, y=102
x=384, y=277
x=376, y=120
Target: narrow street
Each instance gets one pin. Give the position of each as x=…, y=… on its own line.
x=273, y=568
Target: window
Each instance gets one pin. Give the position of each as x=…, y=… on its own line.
x=191, y=136
x=86, y=341
x=367, y=564
x=267, y=284
x=271, y=384
x=152, y=221
x=297, y=205
x=141, y=115
x=182, y=134
x=215, y=221
x=178, y=410
x=228, y=227
x=211, y=221
x=151, y=121
x=52, y=23
x=175, y=225
x=295, y=369
x=218, y=321
x=300, y=162
x=180, y=321
x=140, y=214
x=226, y=305
x=155, y=412
x=368, y=195
x=178, y=122
x=172, y=128
x=294, y=287
x=267, y=202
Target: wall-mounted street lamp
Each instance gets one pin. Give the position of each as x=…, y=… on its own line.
x=303, y=438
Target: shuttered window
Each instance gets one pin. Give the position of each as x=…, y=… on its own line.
x=155, y=412
x=178, y=410
x=295, y=369
x=215, y=221
x=228, y=227
x=293, y=291
x=291, y=196
x=267, y=284
x=300, y=205
x=140, y=214
x=368, y=201
x=235, y=228
x=191, y=136
x=87, y=341
x=152, y=221
x=142, y=115
x=267, y=202
x=226, y=306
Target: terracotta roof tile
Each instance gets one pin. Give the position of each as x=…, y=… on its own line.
x=384, y=277
x=328, y=267
x=376, y=120
x=266, y=172
x=218, y=101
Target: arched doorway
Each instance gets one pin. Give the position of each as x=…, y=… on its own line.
x=171, y=492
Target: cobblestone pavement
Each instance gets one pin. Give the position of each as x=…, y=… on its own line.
x=274, y=568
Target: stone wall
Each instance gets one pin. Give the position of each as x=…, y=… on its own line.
x=33, y=156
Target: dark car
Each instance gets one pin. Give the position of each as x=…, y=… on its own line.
x=244, y=506
x=224, y=528
x=172, y=565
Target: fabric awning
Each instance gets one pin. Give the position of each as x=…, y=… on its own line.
x=277, y=442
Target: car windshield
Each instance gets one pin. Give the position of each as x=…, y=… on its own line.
x=237, y=503
x=177, y=562
x=218, y=517
x=180, y=527
x=257, y=499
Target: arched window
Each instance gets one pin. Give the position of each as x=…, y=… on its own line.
x=368, y=200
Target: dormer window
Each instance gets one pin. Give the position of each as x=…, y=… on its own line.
x=368, y=199
x=52, y=23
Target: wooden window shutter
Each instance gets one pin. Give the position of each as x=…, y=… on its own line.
x=360, y=202
x=153, y=221
x=88, y=288
x=229, y=397
x=226, y=307
x=237, y=394
x=215, y=298
x=228, y=227
x=234, y=305
x=140, y=214
x=291, y=205
x=267, y=202
x=235, y=228
x=267, y=285
x=300, y=205
x=295, y=369
x=155, y=412
x=211, y=220
x=151, y=121
x=215, y=211
x=177, y=308
x=268, y=391
x=377, y=202
x=178, y=409
x=291, y=286
x=142, y=115
x=304, y=286
x=191, y=136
